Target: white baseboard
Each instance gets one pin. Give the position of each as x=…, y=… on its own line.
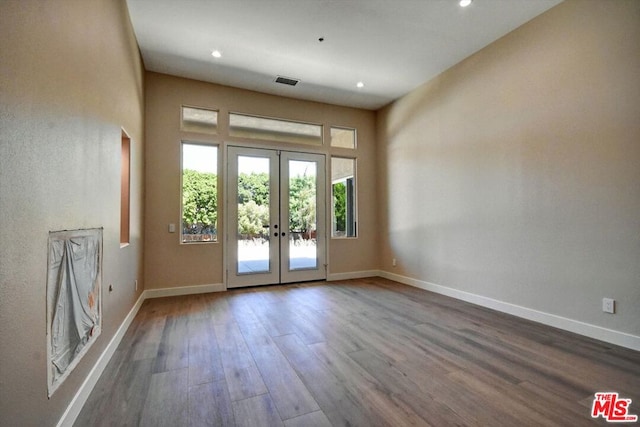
x=184, y=290
x=603, y=334
x=352, y=275
x=581, y=328
x=78, y=401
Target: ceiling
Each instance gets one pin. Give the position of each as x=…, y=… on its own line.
x=392, y=46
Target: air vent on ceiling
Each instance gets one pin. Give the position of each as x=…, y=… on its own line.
x=286, y=81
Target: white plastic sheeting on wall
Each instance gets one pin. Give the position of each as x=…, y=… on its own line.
x=73, y=299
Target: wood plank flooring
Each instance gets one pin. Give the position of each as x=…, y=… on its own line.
x=368, y=352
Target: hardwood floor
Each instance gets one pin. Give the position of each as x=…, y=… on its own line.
x=368, y=352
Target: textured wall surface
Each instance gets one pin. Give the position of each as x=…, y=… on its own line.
x=515, y=175
x=71, y=78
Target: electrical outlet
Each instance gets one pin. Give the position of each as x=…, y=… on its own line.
x=393, y=262
x=172, y=228
x=136, y=282
x=608, y=305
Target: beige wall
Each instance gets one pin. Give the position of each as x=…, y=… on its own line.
x=168, y=263
x=70, y=79
x=515, y=175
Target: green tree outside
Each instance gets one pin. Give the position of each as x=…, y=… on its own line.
x=200, y=203
x=251, y=219
x=339, y=206
x=254, y=186
x=302, y=203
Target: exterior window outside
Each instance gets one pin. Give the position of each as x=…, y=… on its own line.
x=199, y=193
x=343, y=197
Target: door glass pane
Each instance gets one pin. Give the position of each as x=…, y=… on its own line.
x=253, y=215
x=302, y=215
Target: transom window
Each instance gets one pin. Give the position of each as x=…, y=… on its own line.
x=343, y=137
x=199, y=120
x=246, y=126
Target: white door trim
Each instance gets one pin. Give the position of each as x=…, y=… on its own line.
x=279, y=270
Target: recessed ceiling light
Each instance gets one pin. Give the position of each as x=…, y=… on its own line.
x=465, y=3
x=216, y=54
x=359, y=84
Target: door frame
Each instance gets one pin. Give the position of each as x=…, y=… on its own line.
x=279, y=253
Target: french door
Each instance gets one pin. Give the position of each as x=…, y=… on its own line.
x=276, y=218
